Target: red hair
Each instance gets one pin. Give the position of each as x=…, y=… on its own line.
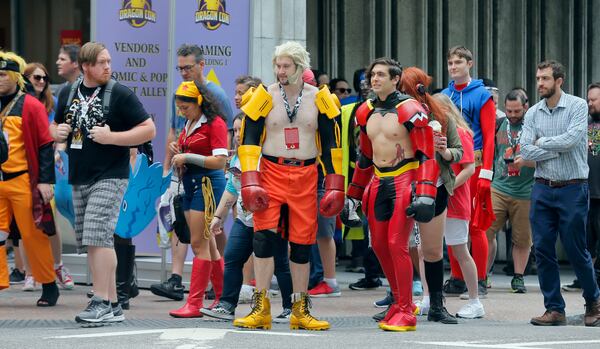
x=414, y=82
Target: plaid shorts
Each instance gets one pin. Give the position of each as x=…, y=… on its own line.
x=97, y=208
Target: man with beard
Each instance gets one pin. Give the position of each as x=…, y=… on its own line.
x=511, y=188
x=98, y=139
x=554, y=136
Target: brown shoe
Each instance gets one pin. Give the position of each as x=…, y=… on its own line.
x=592, y=314
x=550, y=318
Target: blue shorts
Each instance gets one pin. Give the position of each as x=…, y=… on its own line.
x=193, y=198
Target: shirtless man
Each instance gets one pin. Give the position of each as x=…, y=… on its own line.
x=396, y=145
x=290, y=113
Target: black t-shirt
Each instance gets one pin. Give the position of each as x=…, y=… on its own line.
x=594, y=158
x=92, y=161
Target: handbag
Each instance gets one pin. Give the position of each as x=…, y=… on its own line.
x=180, y=226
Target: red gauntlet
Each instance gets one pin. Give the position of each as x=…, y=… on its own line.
x=332, y=202
x=254, y=196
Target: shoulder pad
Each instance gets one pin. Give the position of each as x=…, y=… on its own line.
x=327, y=102
x=412, y=111
x=258, y=104
x=363, y=112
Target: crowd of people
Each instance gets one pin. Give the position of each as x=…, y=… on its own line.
x=404, y=172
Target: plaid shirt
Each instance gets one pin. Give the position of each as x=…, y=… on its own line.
x=557, y=139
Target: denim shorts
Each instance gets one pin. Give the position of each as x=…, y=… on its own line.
x=193, y=198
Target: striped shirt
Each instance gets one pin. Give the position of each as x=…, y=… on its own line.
x=557, y=139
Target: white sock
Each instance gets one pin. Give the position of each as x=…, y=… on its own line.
x=331, y=282
x=474, y=301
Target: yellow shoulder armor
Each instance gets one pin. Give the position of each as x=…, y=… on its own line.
x=327, y=103
x=257, y=102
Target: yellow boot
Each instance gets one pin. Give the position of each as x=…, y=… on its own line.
x=4, y=279
x=301, y=318
x=260, y=316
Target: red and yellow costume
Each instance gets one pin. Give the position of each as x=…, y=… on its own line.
x=386, y=198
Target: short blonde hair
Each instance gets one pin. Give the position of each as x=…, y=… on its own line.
x=16, y=77
x=452, y=112
x=297, y=53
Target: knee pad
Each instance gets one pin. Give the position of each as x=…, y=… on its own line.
x=263, y=243
x=299, y=254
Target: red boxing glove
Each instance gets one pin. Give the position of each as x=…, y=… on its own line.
x=254, y=196
x=332, y=202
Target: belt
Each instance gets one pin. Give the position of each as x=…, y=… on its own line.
x=289, y=162
x=385, y=172
x=7, y=176
x=559, y=184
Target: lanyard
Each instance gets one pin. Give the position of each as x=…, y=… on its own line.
x=513, y=142
x=291, y=113
x=84, y=103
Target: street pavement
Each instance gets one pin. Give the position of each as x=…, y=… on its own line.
x=148, y=325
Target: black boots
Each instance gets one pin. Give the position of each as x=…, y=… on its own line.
x=126, y=284
x=437, y=311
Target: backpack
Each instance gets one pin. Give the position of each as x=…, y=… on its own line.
x=105, y=99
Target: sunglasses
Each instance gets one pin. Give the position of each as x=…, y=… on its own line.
x=40, y=78
x=344, y=90
x=184, y=68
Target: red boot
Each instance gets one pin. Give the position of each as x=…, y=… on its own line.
x=404, y=320
x=391, y=312
x=199, y=280
x=216, y=278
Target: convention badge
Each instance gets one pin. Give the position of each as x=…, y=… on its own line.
x=77, y=140
x=292, y=138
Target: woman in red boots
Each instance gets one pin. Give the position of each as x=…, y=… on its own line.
x=200, y=156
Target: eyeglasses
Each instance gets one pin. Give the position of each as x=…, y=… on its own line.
x=185, y=68
x=344, y=90
x=40, y=78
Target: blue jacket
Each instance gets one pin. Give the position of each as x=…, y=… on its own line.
x=469, y=102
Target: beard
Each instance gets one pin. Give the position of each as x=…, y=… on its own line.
x=550, y=92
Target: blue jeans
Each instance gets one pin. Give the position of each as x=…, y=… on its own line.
x=561, y=211
x=238, y=250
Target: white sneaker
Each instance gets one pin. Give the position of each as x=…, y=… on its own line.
x=423, y=307
x=30, y=284
x=246, y=294
x=464, y=296
x=471, y=310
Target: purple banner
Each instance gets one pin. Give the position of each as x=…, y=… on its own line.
x=221, y=29
x=136, y=33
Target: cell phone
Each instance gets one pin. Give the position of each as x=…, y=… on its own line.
x=509, y=160
x=235, y=171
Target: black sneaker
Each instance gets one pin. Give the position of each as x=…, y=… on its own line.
x=220, y=311
x=517, y=284
x=16, y=277
x=96, y=311
x=385, y=302
x=365, y=284
x=169, y=289
x=380, y=316
x=284, y=317
x=482, y=289
x=454, y=287
x=574, y=287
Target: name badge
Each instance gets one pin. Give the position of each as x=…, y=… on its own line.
x=292, y=138
x=77, y=140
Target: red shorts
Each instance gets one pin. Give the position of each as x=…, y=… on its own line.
x=296, y=187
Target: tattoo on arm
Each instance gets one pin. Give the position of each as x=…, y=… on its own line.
x=229, y=203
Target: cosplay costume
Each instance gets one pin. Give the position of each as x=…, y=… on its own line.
x=285, y=189
x=30, y=161
x=478, y=110
x=386, y=198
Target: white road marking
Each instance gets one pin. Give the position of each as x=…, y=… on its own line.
x=527, y=345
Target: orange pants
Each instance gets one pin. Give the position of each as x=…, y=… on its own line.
x=15, y=199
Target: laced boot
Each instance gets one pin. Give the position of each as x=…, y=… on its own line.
x=592, y=313
x=260, y=315
x=437, y=311
x=199, y=281
x=301, y=318
x=4, y=278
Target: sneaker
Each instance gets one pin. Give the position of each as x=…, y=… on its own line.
x=323, y=290
x=246, y=293
x=96, y=311
x=169, y=289
x=517, y=284
x=422, y=306
x=385, y=302
x=220, y=311
x=118, y=315
x=454, y=287
x=365, y=284
x=417, y=289
x=574, y=287
x=16, y=277
x=482, y=289
x=64, y=278
x=488, y=281
x=471, y=310
x=30, y=284
x=355, y=269
x=381, y=315
x=284, y=317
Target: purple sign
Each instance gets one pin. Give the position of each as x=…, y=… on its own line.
x=136, y=33
x=221, y=29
